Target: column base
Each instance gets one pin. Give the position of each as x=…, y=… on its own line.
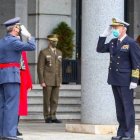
x=93, y=129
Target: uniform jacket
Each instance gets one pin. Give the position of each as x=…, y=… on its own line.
x=124, y=59
x=50, y=67
x=10, y=52
x=26, y=83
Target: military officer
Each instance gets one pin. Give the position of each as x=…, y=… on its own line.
x=123, y=74
x=50, y=76
x=10, y=52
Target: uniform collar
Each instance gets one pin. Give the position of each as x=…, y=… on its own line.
x=53, y=49
x=122, y=38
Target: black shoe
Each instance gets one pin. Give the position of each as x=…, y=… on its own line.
x=18, y=133
x=19, y=138
x=116, y=138
x=4, y=138
x=48, y=120
x=127, y=138
x=56, y=121
x=1, y=138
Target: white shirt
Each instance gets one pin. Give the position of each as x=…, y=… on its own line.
x=122, y=38
x=53, y=50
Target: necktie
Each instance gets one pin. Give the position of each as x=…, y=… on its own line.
x=54, y=51
x=117, y=47
x=118, y=42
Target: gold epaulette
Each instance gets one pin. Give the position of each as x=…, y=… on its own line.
x=135, y=73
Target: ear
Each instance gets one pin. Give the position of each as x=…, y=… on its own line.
x=125, y=28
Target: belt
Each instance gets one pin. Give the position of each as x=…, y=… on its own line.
x=6, y=65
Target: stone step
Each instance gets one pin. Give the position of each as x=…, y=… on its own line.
x=137, y=109
x=62, y=116
x=69, y=105
x=62, y=87
x=38, y=93
x=67, y=101
x=137, y=101
x=61, y=108
x=137, y=116
x=137, y=89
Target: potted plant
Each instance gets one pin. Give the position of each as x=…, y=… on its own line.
x=65, y=43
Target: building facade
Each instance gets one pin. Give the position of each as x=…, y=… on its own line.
x=88, y=18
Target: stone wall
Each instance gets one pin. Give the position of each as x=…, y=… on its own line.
x=7, y=11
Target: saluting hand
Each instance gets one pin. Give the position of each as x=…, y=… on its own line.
x=25, y=32
x=106, y=32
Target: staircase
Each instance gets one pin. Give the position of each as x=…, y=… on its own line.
x=137, y=103
x=69, y=107
x=69, y=103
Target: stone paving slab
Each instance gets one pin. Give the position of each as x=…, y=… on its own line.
x=42, y=131
x=66, y=136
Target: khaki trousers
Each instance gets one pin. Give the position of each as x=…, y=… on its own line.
x=50, y=101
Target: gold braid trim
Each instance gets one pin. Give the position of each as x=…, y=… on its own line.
x=135, y=73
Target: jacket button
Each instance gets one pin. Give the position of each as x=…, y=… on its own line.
x=118, y=56
x=118, y=63
x=110, y=68
x=116, y=69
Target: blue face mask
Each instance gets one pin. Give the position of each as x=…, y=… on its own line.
x=116, y=33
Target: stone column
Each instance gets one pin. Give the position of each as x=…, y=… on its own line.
x=97, y=98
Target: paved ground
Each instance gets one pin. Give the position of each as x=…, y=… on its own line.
x=42, y=131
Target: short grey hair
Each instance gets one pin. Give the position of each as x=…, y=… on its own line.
x=9, y=29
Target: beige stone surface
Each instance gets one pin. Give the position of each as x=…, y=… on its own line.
x=93, y=129
x=35, y=130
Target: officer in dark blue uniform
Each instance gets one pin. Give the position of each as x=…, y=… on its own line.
x=10, y=53
x=123, y=74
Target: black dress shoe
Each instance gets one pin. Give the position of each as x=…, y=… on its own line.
x=116, y=138
x=56, y=121
x=1, y=138
x=127, y=138
x=48, y=120
x=5, y=138
x=19, y=138
x=18, y=133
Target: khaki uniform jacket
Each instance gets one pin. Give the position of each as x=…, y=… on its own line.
x=49, y=67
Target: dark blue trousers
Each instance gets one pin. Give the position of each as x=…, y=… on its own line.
x=124, y=110
x=9, y=102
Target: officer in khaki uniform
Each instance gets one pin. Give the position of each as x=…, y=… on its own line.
x=50, y=77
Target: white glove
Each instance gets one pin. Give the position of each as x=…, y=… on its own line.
x=106, y=32
x=132, y=85
x=25, y=32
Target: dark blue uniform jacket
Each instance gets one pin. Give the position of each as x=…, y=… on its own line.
x=124, y=59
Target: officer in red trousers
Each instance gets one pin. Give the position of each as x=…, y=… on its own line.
x=123, y=74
